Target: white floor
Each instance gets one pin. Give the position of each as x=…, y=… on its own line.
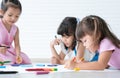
x=61, y=73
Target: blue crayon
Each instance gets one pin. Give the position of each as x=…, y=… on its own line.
x=41, y=65
x=52, y=65
x=2, y=66
x=26, y=65
x=15, y=64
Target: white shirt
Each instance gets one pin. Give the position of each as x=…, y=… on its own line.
x=69, y=55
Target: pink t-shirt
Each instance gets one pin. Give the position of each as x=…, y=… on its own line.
x=105, y=45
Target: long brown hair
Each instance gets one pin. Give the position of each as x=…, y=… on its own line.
x=97, y=27
x=68, y=27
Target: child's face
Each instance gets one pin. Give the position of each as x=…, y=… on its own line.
x=88, y=42
x=11, y=15
x=68, y=40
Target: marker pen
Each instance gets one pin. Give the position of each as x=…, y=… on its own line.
x=8, y=72
x=55, y=36
x=4, y=46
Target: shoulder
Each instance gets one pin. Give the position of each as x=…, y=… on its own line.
x=105, y=45
x=15, y=27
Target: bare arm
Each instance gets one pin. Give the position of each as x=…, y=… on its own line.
x=16, y=43
x=80, y=51
x=98, y=65
x=17, y=48
x=53, y=50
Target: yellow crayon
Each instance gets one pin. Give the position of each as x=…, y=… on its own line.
x=76, y=69
x=82, y=59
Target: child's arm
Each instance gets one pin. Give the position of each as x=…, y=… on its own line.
x=53, y=50
x=98, y=65
x=17, y=47
x=80, y=52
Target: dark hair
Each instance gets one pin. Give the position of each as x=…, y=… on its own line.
x=68, y=27
x=5, y=4
x=97, y=27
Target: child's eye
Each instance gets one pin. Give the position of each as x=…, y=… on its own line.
x=84, y=41
x=17, y=16
x=10, y=15
x=67, y=36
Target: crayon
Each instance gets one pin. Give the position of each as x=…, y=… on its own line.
x=6, y=61
x=38, y=69
x=8, y=72
x=81, y=59
x=26, y=65
x=2, y=66
x=21, y=65
x=76, y=69
x=2, y=63
x=5, y=46
x=41, y=65
x=15, y=64
x=74, y=59
x=41, y=69
x=54, y=69
x=55, y=36
x=52, y=65
x=42, y=72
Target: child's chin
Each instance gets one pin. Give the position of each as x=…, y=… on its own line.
x=91, y=50
x=67, y=45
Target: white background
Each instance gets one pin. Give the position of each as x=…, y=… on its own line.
x=40, y=19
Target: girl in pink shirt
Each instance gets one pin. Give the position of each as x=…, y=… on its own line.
x=9, y=32
x=94, y=33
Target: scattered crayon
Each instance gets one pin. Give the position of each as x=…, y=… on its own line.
x=2, y=66
x=41, y=65
x=52, y=65
x=41, y=69
x=42, y=72
x=4, y=62
x=76, y=69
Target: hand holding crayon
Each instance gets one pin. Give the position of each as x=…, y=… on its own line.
x=80, y=60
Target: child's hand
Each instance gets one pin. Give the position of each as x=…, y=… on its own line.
x=55, y=42
x=3, y=50
x=70, y=64
x=18, y=59
x=78, y=60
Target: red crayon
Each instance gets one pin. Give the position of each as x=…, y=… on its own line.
x=39, y=69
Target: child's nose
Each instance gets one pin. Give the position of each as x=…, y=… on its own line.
x=84, y=44
x=13, y=18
